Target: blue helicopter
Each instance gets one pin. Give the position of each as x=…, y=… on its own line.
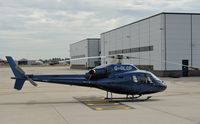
x=114, y=78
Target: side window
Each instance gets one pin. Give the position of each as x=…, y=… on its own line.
x=134, y=78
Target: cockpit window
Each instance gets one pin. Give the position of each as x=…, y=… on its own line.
x=134, y=78
x=149, y=79
x=154, y=76
x=144, y=78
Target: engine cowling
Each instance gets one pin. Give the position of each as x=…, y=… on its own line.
x=96, y=74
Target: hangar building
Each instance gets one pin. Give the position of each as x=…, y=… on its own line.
x=161, y=42
x=85, y=48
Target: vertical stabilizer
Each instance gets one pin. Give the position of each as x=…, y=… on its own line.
x=18, y=72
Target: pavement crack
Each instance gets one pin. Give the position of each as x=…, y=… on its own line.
x=57, y=111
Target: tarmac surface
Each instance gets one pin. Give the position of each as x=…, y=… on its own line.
x=62, y=104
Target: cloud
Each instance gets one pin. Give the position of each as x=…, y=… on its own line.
x=45, y=28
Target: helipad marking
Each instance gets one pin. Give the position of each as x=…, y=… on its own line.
x=98, y=104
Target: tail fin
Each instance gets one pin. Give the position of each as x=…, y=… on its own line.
x=18, y=72
x=19, y=84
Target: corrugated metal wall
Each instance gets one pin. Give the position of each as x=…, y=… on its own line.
x=182, y=40
x=78, y=50
x=174, y=37
x=196, y=40
x=140, y=34
x=178, y=40
x=94, y=50
x=85, y=48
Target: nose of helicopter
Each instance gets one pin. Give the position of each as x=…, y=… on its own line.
x=162, y=86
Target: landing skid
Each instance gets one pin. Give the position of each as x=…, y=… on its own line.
x=127, y=98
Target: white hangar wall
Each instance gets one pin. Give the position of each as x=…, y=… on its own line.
x=94, y=50
x=78, y=50
x=178, y=40
x=139, y=35
x=196, y=40
x=182, y=39
x=85, y=48
x=158, y=41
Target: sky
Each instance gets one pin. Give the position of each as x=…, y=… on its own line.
x=42, y=29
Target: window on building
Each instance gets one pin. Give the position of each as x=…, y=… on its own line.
x=132, y=50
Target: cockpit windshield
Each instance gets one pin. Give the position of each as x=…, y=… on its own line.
x=144, y=78
x=155, y=77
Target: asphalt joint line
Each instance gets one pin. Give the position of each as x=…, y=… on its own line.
x=57, y=111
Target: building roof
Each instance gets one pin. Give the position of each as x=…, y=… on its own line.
x=86, y=40
x=176, y=13
x=23, y=59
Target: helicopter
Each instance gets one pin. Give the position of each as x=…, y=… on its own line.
x=117, y=78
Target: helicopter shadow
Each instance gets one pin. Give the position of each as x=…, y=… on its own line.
x=132, y=101
x=119, y=99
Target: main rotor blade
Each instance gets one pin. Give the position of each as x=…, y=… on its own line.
x=96, y=57
x=91, y=57
x=163, y=61
x=123, y=56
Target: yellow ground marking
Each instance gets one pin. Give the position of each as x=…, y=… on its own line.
x=98, y=104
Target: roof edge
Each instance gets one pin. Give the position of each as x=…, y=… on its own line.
x=85, y=39
x=178, y=13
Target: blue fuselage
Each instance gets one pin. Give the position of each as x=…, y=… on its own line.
x=122, y=83
x=116, y=78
